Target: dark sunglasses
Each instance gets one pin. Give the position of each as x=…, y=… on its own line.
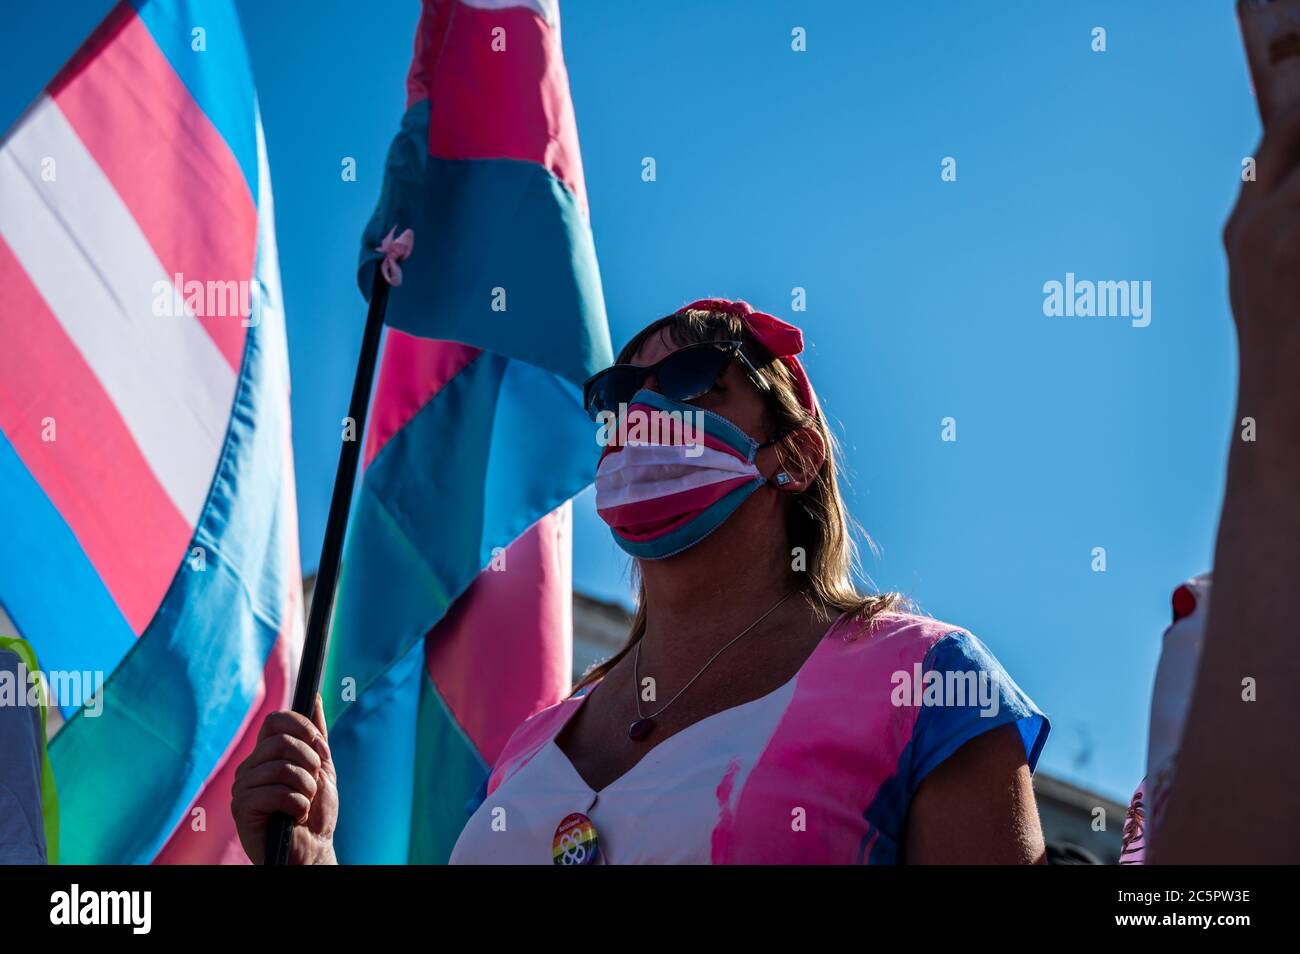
x=685, y=374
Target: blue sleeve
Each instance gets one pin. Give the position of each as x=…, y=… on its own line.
x=969, y=694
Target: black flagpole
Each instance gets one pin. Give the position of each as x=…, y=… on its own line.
x=279, y=832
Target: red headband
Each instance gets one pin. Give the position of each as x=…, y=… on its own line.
x=781, y=338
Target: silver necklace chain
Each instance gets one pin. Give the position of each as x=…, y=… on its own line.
x=636, y=663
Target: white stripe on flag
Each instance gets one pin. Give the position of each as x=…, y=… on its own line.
x=89, y=259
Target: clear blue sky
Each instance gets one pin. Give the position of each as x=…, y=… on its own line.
x=821, y=169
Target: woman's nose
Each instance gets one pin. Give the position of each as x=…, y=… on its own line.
x=651, y=383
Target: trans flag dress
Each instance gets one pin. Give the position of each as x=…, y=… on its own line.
x=819, y=771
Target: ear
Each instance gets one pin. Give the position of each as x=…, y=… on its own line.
x=800, y=457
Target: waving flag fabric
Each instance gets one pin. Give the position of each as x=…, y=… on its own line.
x=452, y=623
x=146, y=475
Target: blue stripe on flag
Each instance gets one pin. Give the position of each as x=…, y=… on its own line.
x=447, y=766
x=75, y=617
x=379, y=743
x=483, y=224
x=543, y=451
x=501, y=445
x=413, y=542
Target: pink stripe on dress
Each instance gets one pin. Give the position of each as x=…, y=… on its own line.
x=756, y=827
x=528, y=739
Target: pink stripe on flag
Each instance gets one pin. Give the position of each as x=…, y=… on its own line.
x=503, y=650
x=93, y=472
x=411, y=372
x=531, y=114
x=161, y=152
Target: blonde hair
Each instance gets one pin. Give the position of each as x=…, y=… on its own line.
x=816, y=519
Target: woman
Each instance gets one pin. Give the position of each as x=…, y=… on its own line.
x=763, y=710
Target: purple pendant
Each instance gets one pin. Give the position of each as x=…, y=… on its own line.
x=639, y=729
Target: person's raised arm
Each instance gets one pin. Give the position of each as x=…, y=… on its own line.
x=1234, y=791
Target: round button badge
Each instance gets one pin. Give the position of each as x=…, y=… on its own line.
x=575, y=841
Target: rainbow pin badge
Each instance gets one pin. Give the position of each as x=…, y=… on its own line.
x=575, y=842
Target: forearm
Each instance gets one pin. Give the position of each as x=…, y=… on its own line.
x=1239, y=761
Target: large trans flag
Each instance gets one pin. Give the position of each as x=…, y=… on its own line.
x=146, y=472
x=453, y=616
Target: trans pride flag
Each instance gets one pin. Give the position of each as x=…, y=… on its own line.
x=453, y=617
x=146, y=473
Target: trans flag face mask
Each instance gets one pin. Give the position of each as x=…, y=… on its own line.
x=671, y=475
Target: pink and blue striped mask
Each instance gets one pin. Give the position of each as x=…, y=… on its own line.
x=675, y=476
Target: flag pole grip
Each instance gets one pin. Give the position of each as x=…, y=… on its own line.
x=279, y=831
